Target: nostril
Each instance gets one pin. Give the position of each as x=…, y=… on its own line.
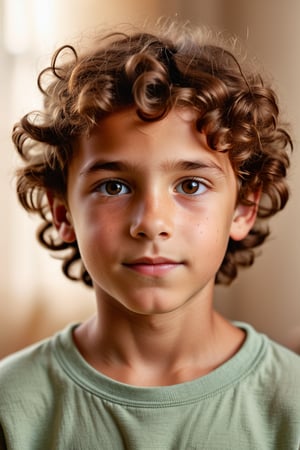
x=146, y=227
x=151, y=234
x=164, y=234
x=141, y=234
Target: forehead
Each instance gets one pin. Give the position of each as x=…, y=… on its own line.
x=124, y=136
x=126, y=125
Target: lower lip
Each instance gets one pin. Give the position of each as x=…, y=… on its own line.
x=154, y=270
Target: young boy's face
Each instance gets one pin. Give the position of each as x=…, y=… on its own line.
x=152, y=209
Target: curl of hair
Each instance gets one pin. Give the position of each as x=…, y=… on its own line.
x=154, y=73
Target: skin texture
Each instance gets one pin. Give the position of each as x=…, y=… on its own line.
x=152, y=209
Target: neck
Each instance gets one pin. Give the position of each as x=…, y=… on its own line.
x=158, y=349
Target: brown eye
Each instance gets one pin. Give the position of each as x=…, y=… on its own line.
x=113, y=187
x=191, y=187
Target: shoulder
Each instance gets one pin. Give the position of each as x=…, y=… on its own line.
x=23, y=358
x=31, y=371
x=270, y=389
x=270, y=358
x=271, y=372
x=32, y=383
x=274, y=378
x=282, y=368
x=26, y=387
x=282, y=362
x=24, y=370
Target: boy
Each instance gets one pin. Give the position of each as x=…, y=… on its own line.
x=152, y=165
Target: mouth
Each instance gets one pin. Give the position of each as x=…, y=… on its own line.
x=153, y=266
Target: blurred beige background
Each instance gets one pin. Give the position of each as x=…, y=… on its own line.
x=35, y=298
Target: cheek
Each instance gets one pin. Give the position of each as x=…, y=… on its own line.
x=99, y=234
x=94, y=236
x=211, y=233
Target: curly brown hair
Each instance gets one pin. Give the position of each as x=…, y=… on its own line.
x=155, y=72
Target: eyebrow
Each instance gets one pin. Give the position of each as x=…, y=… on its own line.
x=122, y=166
x=193, y=165
x=114, y=166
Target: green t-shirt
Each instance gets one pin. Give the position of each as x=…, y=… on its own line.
x=50, y=398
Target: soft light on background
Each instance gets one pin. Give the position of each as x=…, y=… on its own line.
x=35, y=298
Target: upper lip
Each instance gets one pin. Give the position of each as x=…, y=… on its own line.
x=151, y=261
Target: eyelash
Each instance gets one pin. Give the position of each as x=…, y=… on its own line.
x=200, y=184
x=103, y=186
x=194, y=182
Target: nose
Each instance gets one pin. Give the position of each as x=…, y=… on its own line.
x=153, y=218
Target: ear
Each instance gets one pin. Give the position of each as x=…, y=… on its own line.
x=244, y=217
x=61, y=218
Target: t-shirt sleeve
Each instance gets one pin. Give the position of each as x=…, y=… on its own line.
x=2, y=439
